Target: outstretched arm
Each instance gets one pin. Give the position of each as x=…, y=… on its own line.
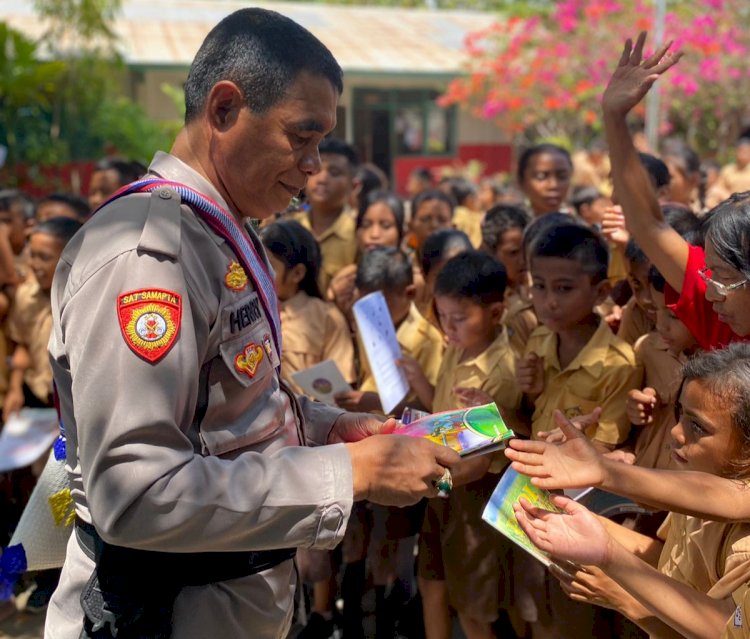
x=633, y=188
x=577, y=535
x=576, y=464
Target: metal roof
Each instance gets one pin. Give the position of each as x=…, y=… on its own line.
x=167, y=33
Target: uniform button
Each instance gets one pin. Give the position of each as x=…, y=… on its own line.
x=164, y=194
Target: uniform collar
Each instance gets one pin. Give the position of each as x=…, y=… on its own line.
x=297, y=302
x=342, y=226
x=591, y=356
x=170, y=168
x=487, y=359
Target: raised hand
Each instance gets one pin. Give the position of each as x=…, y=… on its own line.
x=613, y=227
x=634, y=76
x=573, y=464
x=530, y=374
x=574, y=535
x=640, y=406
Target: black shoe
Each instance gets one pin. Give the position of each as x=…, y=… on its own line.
x=317, y=627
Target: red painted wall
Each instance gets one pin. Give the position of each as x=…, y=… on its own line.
x=495, y=157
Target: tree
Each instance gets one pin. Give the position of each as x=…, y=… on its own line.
x=543, y=76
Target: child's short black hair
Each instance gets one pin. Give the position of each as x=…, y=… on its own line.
x=428, y=196
x=77, y=204
x=14, y=197
x=573, y=242
x=541, y=225
x=584, y=195
x=472, y=275
x=292, y=244
x=61, y=228
x=334, y=146
x=499, y=219
x=440, y=243
x=656, y=279
x=459, y=188
x=657, y=170
x=384, y=269
x=127, y=170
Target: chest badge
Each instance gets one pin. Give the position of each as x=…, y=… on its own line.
x=235, y=278
x=150, y=321
x=246, y=362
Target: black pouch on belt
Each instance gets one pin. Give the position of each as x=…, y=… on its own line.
x=131, y=593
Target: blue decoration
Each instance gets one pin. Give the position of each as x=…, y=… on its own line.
x=12, y=566
x=58, y=448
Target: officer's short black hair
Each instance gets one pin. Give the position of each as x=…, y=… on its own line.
x=573, y=242
x=334, y=146
x=384, y=269
x=77, y=204
x=499, y=219
x=472, y=275
x=262, y=52
x=61, y=228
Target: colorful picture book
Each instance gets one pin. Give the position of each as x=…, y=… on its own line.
x=468, y=431
x=499, y=510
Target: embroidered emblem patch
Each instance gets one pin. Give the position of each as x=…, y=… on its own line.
x=150, y=321
x=267, y=345
x=246, y=362
x=235, y=277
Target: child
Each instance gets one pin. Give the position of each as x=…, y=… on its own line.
x=460, y=561
x=684, y=174
x=30, y=319
x=109, y=175
x=313, y=330
x=544, y=173
x=380, y=222
x=62, y=205
x=329, y=218
x=661, y=354
x=590, y=205
x=710, y=557
x=388, y=270
x=735, y=177
x=430, y=211
x=437, y=249
x=502, y=233
x=469, y=212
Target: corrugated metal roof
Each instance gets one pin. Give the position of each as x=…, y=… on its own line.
x=364, y=39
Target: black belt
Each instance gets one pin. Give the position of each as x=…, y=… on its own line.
x=131, y=593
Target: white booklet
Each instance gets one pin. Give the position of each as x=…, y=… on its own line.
x=379, y=339
x=322, y=381
x=26, y=436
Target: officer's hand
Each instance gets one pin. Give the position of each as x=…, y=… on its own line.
x=395, y=470
x=354, y=427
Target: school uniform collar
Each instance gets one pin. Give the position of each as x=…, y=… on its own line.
x=413, y=325
x=591, y=356
x=342, y=226
x=487, y=359
x=297, y=302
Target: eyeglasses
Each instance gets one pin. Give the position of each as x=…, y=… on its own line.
x=718, y=287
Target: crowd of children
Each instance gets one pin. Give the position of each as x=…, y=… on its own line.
x=604, y=320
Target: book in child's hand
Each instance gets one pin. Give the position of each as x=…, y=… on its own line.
x=499, y=510
x=468, y=431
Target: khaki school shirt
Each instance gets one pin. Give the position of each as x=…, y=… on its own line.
x=662, y=372
x=198, y=451
x=519, y=320
x=470, y=222
x=492, y=371
x=314, y=331
x=600, y=375
x=30, y=324
x=704, y=554
x=418, y=339
x=634, y=323
x=338, y=244
x=734, y=179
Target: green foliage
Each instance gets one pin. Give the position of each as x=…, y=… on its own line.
x=87, y=20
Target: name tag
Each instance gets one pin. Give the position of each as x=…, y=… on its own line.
x=242, y=315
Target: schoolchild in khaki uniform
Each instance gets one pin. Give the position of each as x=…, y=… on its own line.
x=502, y=235
x=573, y=363
x=468, y=214
x=30, y=318
x=313, y=330
x=330, y=218
x=461, y=562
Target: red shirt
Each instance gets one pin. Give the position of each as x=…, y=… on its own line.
x=694, y=310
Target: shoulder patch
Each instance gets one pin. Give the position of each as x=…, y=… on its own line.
x=150, y=321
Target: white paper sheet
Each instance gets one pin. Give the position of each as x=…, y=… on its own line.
x=27, y=436
x=379, y=338
x=322, y=381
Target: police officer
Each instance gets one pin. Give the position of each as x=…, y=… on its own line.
x=194, y=471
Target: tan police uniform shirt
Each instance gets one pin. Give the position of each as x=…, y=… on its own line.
x=662, y=372
x=418, y=339
x=704, y=554
x=338, y=244
x=30, y=324
x=314, y=331
x=600, y=375
x=200, y=450
x=634, y=323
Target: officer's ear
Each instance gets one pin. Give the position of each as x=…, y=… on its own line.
x=223, y=105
